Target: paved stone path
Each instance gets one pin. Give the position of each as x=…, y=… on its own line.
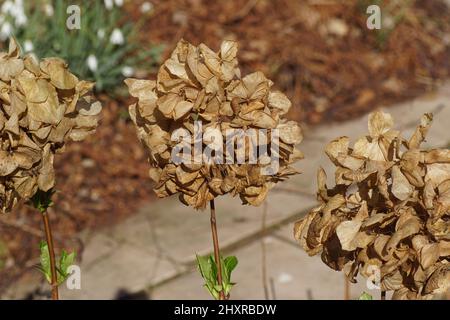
x=152, y=253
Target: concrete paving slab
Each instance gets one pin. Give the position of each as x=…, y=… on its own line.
x=181, y=231
x=127, y=268
x=293, y=274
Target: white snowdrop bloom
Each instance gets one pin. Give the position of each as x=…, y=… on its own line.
x=8, y=7
x=146, y=7
x=28, y=46
x=127, y=71
x=16, y=10
x=5, y=31
x=21, y=19
x=285, y=278
x=19, y=5
x=117, y=37
x=48, y=9
x=92, y=63
x=109, y=4
x=101, y=33
x=118, y=3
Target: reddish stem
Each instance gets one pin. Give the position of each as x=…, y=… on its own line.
x=216, y=247
x=51, y=251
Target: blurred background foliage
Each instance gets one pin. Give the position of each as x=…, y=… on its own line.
x=103, y=50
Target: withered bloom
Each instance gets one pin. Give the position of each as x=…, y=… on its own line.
x=42, y=105
x=389, y=211
x=198, y=84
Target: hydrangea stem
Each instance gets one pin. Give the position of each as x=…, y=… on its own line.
x=347, y=289
x=51, y=251
x=263, y=252
x=216, y=247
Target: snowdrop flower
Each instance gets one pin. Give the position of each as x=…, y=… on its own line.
x=28, y=46
x=21, y=19
x=101, y=33
x=92, y=63
x=117, y=37
x=48, y=9
x=5, y=31
x=8, y=7
x=127, y=71
x=19, y=4
x=118, y=3
x=15, y=10
x=109, y=4
x=146, y=7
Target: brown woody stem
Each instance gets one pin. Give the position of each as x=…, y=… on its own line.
x=383, y=295
x=51, y=251
x=216, y=247
x=347, y=289
x=263, y=252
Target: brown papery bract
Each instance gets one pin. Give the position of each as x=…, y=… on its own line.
x=389, y=209
x=42, y=106
x=197, y=83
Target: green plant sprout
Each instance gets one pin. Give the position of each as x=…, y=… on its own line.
x=209, y=272
x=62, y=266
x=365, y=296
x=42, y=201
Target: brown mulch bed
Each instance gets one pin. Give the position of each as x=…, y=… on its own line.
x=319, y=52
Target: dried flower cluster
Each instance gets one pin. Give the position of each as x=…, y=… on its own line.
x=42, y=104
x=389, y=210
x=197, y=83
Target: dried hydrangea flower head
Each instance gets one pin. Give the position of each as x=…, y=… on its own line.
x=42, y=105
x=389, y=211
x=197, y=84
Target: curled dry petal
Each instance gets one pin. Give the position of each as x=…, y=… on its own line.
x=197, y=83
x=42, y=105
x=389, y=209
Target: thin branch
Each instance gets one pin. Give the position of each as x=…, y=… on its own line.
x=216, y=247
x=51, y=251
x=263, y=252
x=272, y=289
x=347, y=289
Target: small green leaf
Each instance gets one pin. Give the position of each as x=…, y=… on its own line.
x=208, y=270
x=229, y=264
x=65, y=261
x=213, y=275
x=45, y=261
x=365, y=296
x=214, y=293
x=204, y=266
x=227, y=288
x=42, y=200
